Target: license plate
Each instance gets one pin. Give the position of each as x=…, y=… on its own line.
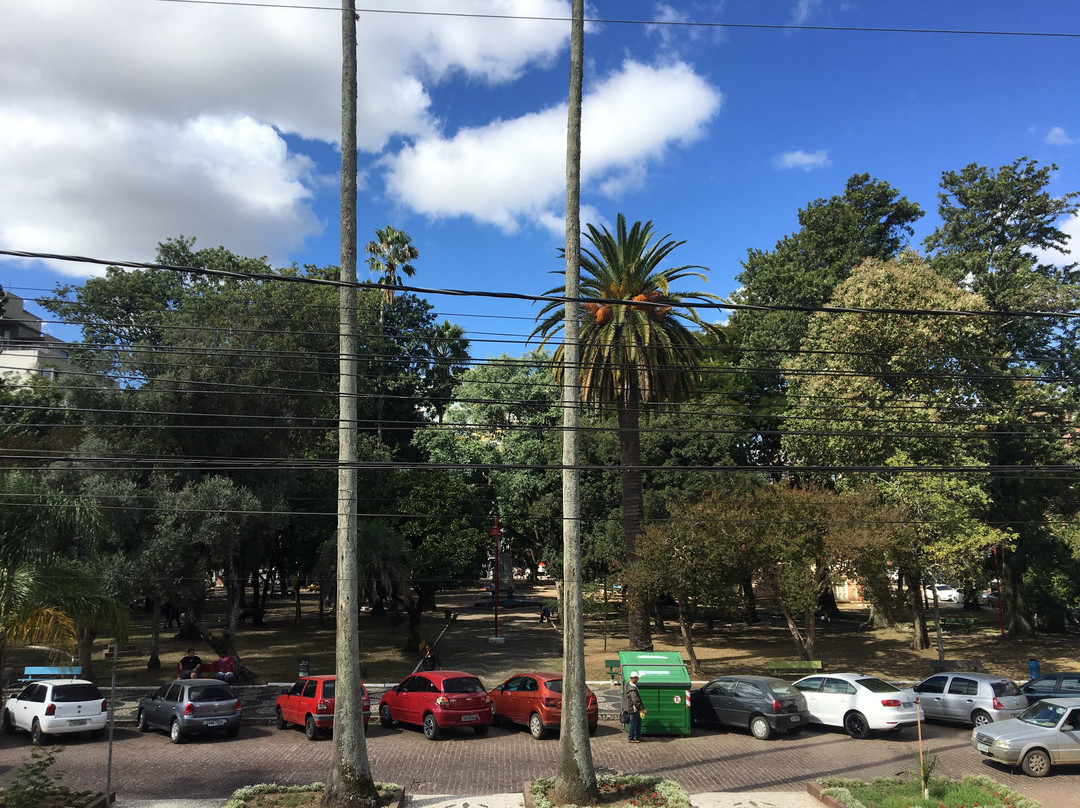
x=77, y=722
x=794, y=719
x=214, y=722
x=907, y=704
x=983, y=748
x=469, y=717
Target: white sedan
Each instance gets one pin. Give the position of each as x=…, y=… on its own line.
x=945, y=593
x=858, y=703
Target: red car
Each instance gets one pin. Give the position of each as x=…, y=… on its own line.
x=436, y=700
x=310, y=703
x=535, y=699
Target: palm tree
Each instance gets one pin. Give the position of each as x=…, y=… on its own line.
x=391, y=253
x=636, y=353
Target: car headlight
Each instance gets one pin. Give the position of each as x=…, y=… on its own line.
x=1001, y=743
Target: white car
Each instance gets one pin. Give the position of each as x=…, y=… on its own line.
x=860, y=704
x=945, y=594
x=56, y=706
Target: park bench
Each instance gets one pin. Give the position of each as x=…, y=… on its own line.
x=794, y=667
x=943, y=665
x=33, y=672
x=125, y=650
x=612, y=668
x=965, y=623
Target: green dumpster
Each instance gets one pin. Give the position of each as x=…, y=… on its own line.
x=664, y=684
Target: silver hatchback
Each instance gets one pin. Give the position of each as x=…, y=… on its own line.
x=189, y=707
x=970, y=698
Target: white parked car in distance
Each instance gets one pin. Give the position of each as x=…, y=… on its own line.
x=860, y=704
x=55, y=707
x=945, y=593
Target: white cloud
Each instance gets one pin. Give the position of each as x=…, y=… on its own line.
x=804, y=10
x=1058, y=137
x=799, y=159
x=512, y=170
x=123, y=123
x=1071, y=228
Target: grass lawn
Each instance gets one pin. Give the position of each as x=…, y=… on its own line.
x=894, y=792
x=272, y=650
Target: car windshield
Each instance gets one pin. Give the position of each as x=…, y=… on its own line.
x=463, y=684
x=554, y=685
x=1005, y=688
x=875, y=685
x=69, y=693
x=1042, y=714
x=210, y=693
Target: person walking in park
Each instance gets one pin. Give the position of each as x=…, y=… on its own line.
x=636, y=708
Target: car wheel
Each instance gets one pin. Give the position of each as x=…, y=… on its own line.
x=310, y=729
x=431, y=727
x=385, y=719
x=37, y=737
x=175, y=735
x=856, y=726
x=759, y=727
x=592, y=728
x=536, y=727
x=481, y=729
x=1036, y=763
x=144, y=725
x=9, y=725
x=979, y=718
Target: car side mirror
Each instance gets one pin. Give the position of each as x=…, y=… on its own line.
x=500, y=688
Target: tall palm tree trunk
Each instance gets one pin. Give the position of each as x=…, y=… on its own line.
x=633, y=514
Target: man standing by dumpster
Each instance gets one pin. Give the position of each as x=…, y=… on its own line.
x=636, y=708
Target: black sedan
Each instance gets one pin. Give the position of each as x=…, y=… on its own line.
x=762, y=704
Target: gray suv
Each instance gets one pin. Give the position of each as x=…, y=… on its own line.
x=970, y=698
x=190, y=707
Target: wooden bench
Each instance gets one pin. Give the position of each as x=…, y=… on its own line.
x=125, y=650
x=965, y=623
x=943, y=665
x=612, y=667
x=33, y=672
x=794, y=667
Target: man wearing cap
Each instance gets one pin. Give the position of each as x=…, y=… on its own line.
x=632, y=699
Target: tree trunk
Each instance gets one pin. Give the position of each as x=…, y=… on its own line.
x=920, y=638
x=633, y=517
x=85, y=649
x=154, y=663
x=686, y=629
x=1018, y=623
x=575, y=775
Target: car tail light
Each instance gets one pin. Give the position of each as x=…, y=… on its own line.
x=239, y=705
x=51, y=709
x=189, y=709
x=104, y=706
x=890, y=702
x=547, y=701
x=997, y=704
x=777, y=706
x=443, y=702
x=591, y=699
x=322, y=707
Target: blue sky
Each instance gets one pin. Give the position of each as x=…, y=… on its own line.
x=124, y=122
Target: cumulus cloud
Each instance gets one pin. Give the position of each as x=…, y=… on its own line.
x=512, y=170
x=1071, y=228
x=1057, y=136
x=124, y=123
x=799, y=159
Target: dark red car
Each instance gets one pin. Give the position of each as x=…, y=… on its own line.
x=436, y=700
x=535, y=699
x=310, y=704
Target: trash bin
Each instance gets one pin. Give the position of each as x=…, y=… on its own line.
x=1033, y=668
x=305, y=666
x=664, y=685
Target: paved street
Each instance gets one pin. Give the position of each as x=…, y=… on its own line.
x=149, y=766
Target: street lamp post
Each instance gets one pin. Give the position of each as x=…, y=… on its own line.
x=496, y=534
